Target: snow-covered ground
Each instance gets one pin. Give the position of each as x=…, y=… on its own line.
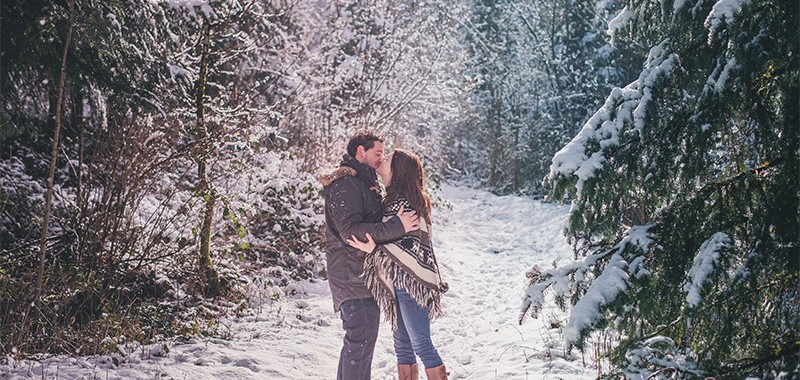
x=485, y=244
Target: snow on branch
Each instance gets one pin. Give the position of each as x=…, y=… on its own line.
x=703, y=267
x=718, y=79
x=722, y=11
x=605, y=288
x=722, y=80
x=607, y=125
x=191, y=6
x=676, y=7
x=619, y=22
x=178, y=72
x=661, y=352
x=602, y=290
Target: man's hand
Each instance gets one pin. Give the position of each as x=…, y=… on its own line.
x=410, y=219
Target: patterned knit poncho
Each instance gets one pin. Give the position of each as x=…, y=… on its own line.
x=405, y=263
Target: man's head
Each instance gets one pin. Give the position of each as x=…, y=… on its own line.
x=367, y=148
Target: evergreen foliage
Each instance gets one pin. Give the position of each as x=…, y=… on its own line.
x=697, y=163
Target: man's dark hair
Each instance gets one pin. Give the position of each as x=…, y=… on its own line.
x=362, y=138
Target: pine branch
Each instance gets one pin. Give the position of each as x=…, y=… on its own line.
x=742, y=365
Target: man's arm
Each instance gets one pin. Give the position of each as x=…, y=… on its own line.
x=346, y=208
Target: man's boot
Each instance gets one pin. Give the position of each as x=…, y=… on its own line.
x=436, y=373
x=408, y=371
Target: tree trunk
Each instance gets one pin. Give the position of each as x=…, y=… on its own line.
x=53, y=157
x=496, y=159
x=208, y=275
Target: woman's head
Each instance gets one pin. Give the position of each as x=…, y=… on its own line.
x=405, y=178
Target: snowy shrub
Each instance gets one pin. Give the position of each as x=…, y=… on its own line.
x=272, y=213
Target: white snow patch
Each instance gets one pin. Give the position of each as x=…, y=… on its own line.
x=722, y=12
x=619, y=22
x=705, y=261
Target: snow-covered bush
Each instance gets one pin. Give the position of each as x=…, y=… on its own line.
x=141, y=163
x=269, y=214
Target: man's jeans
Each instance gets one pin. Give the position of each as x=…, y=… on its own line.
x=360, y=319
x=413, y=334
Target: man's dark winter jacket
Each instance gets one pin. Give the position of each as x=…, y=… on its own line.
x=352, y=207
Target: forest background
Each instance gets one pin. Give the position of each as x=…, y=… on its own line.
x=166, y=150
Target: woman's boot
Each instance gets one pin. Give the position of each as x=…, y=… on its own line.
x=436, y=373
x=408, y=371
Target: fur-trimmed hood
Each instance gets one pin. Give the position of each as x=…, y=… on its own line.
x=327, y=177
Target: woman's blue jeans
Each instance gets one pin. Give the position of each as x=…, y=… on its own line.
x=413, y=334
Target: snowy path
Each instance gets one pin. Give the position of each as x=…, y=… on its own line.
x=485, y=244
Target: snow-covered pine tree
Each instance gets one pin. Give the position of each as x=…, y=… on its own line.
x=684, y=190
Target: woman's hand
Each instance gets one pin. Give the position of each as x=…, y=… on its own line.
x=409, y=219
x=367, y=246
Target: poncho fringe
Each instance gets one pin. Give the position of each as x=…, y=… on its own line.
x=389, y=267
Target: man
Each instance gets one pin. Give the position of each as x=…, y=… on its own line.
x=353, y=207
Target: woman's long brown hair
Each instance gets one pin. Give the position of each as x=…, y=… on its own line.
x=408, y=181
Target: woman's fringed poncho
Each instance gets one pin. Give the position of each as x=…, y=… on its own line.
x=406, y=263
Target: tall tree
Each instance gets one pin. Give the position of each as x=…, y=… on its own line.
x=208, y=274
x=226, y=51
x=58, y=117
x=684, y=188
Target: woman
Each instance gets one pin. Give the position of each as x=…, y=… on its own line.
x=403, y=275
